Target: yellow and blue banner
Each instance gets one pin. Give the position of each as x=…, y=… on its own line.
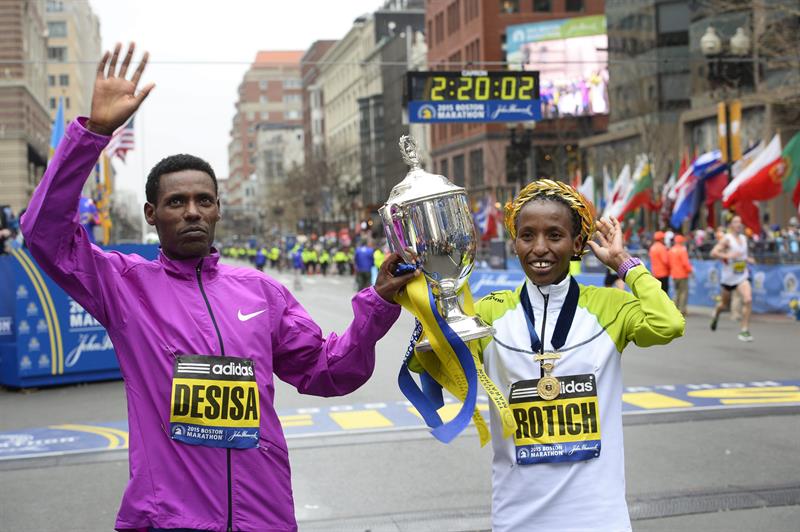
x=59, y=128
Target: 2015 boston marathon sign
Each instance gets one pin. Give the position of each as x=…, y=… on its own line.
x=473, y=96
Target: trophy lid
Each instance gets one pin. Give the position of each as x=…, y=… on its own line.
x=418, y=183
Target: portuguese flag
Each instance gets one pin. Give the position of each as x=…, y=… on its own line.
x=791, y=177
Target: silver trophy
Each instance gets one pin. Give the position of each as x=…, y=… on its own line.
x=427, y=221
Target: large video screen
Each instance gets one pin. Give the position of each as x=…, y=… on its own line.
x=571, y=56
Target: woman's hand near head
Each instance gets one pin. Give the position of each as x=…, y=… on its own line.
x=609, y=247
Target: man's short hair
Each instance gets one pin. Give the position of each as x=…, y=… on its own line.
x=176, y=163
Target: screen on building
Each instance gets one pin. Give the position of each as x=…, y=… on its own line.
x=571, y=56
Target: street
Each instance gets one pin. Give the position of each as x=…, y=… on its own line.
x=733, y=467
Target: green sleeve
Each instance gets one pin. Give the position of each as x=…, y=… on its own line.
x=653, y=319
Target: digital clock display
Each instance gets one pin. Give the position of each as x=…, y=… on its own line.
x=473, y=96
x=473, y=86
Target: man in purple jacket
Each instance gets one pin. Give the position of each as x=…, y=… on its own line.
x=198, y=342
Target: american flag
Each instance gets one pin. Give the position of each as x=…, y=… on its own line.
x=121, y=141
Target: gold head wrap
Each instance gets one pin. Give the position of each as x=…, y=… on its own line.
x=549, y=188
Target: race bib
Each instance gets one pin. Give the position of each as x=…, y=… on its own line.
x=565, y=429
x=739, y=266
x=214, y=402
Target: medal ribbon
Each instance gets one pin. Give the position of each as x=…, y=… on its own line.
x=564, y=322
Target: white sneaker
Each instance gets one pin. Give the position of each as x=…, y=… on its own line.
x=745, y=336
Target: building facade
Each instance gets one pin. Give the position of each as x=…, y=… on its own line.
x=24, y=121
x=270, y=96
x=73, y=49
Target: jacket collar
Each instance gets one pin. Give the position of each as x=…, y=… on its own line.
x=187, y=268
x=557, y=293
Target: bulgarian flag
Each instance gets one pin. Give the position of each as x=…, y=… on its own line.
x=761, y=180
x=791, y=176
x=640, y=194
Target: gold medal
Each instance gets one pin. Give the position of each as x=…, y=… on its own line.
x=548, y=387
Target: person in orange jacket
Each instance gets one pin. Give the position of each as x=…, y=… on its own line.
x=659, y=260
x=680, y=268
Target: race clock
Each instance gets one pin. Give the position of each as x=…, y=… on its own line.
x=473, y=96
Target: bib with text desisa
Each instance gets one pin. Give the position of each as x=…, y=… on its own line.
x=214, y=401
x=564, y=429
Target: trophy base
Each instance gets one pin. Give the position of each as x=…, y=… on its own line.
x=466, y=327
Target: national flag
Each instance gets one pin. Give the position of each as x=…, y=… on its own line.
x=486, y=218
x=748, y=212
x=683, y=195
x=615, y=203
x=607, y=191
x=122, y=141
x=791, y=176
x=761, y=179
x=587, y=188
x=58, y=129
x=640, y=193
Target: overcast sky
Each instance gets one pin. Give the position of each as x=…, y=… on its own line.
x=199, y=52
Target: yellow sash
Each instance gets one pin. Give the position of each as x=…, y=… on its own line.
x=442, y=363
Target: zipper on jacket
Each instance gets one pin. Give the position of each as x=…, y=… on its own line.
x=544, y=322
x=198, y=270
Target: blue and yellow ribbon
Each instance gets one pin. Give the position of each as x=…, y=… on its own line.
x=452, y=365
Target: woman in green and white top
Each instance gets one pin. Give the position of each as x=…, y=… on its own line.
x=557, y=355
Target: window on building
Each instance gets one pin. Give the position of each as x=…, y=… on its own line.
x=509, y=6
x=51, y=81
x=458, y=170
x=293, y=115
x=443, y=167
x=292, y=83
x=476, y=168
x=430, y=34
x=453, y=17
x=63, y=80
x=673, y=24
x=57, y=29
x=66, y=102
x=542, y=5
x=57, y=53
x=54, y=6
x=292, y=98
x=471, y=9
x=52, y=103
x=439, y=22
x=574, y=5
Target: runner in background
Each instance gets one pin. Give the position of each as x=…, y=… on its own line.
x=732, y=252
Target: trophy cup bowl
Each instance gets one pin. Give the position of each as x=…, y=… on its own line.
x=427, y=221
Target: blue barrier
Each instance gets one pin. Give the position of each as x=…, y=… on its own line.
x=46, y=337
x=774, y=286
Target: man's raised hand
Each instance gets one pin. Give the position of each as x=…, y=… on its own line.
x=115, y=99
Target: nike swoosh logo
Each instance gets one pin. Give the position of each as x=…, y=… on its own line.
x=245, y=317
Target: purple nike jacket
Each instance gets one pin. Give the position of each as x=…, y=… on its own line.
x=157, y=310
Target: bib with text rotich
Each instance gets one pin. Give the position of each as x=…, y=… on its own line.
x=214, y=402
x=564, y=429
x=739, y=266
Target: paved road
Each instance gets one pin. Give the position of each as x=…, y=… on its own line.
x=683, y=465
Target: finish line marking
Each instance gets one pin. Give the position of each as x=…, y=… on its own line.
x=67, y=439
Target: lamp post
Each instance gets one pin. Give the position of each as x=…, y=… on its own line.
x=729, y=68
